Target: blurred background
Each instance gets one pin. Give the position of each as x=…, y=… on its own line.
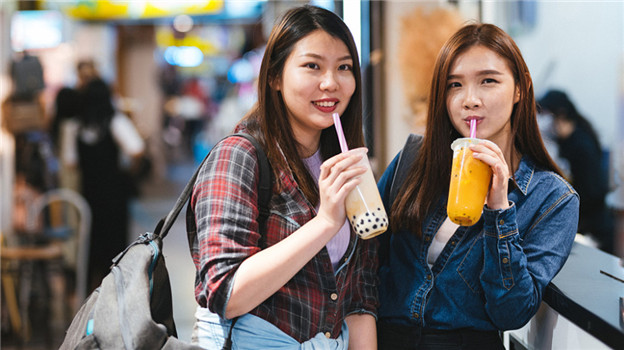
x=183, y=73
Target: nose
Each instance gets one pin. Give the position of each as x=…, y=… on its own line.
x=329, y=81
x=471, y=99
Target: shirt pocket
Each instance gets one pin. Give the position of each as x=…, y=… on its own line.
x=471, y=265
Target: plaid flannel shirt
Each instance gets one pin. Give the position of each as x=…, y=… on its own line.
x=223, y=232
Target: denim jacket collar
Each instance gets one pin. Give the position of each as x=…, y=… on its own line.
x=524, y=174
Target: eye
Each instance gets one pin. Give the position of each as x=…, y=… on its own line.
x=345, y=67
x=311, y=65
x=453, y=84
x=489, y=81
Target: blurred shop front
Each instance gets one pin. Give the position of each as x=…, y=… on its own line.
x=183, y=72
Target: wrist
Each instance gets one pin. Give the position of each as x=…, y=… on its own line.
x=323, y=226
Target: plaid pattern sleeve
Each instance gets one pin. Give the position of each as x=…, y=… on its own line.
x=224, y=202
x=223, y=232
x=364, y=296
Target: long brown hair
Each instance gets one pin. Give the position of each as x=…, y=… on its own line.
x=428, y=180
x=269, y=116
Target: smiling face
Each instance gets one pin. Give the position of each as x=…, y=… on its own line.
x=317, y=80
x=481, y=86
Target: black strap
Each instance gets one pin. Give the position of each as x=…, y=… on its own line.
x=408, y=155
x=227, y=345
x=406, y=159
x=264, y=190
x=264, y=196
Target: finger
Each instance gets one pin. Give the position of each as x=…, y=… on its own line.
x=335, y=165
x=498, y=165
x=489, y=148
x=344, y=155
x=348, y=186
x=334, y=183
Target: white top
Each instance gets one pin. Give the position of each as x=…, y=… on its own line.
x=122, y=128
x=440, y=239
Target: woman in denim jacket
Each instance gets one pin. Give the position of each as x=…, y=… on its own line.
x=446, y=286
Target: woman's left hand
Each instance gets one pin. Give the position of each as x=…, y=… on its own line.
x=491, y=154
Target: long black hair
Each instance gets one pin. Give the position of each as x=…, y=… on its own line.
x=431, y=171
x=269, y=116
x=97, y=104
x=559, y=104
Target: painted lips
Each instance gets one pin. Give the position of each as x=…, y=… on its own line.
x=325, y=106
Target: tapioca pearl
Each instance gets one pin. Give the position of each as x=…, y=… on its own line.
x=377, y=220
x=362, y=221
x=367, y=229
x=367, y=214
x=369, y=220
x=374, y=227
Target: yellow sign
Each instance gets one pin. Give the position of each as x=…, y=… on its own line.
x=165, y=38
x=138, y=9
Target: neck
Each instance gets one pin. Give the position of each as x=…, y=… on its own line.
x=307, y=152
x=307, y=143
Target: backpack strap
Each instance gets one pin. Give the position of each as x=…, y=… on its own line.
x=404, y=165
x=264, y=190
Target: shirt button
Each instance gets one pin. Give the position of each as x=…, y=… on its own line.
x=428, y=277
x=502, y=222
x=333, y=296
x=505, y=260
x=416, y=315
x=328, y=335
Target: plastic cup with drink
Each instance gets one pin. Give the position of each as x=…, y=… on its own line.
x=470, y=182
x=363, y=204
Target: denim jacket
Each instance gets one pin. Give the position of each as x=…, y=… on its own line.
x=490, y=276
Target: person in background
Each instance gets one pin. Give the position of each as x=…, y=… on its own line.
x=67, y=106
x=98, y=140
x=444, y=286
x=87, y=72
x=579, y=145
x=306, y=280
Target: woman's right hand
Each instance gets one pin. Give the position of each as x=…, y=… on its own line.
x=339, y=175
x=265, y=272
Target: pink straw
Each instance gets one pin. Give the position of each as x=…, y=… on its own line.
x=473, y=128
x=341, y=137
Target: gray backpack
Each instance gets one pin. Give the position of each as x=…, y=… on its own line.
x=132, y=308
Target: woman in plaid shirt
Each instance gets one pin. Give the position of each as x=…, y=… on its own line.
x=305, y=279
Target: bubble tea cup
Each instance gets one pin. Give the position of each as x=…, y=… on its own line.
x=364, y=207
x=470, y=182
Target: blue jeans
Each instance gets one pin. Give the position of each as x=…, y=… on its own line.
x=252, y=332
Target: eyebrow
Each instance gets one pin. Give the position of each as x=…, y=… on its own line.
x=479, y=73
x=314, y=55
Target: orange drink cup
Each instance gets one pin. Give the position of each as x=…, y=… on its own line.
x=364, y=207
x=470, y=182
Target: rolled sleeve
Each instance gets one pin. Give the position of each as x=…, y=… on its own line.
x=224, y=202
x=365, y=298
